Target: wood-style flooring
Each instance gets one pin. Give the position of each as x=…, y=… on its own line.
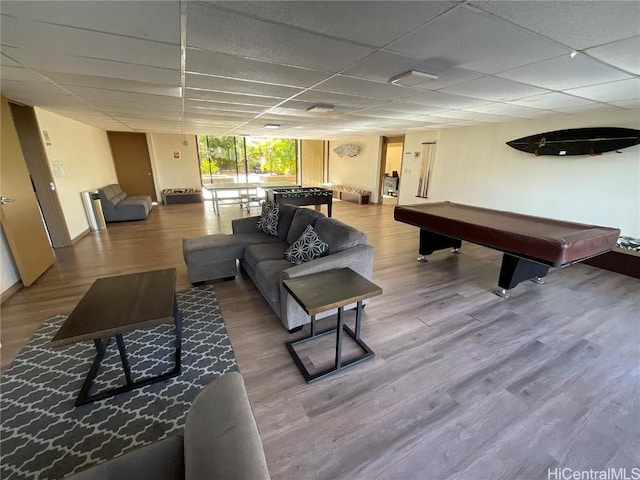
x=465, y=385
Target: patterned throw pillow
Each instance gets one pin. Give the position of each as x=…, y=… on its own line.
x=305, y=248
x=268, y=221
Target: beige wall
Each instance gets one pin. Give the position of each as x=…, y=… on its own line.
x=360, y=171
x=168, y=171
x=474, y=166
x=86, y=160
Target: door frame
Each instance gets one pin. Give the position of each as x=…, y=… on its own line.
x=383, y=162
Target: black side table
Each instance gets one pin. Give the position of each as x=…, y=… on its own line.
x=327, y=290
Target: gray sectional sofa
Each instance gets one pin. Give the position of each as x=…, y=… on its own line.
x=117, y=206
x=221, y=441
x=262, y=256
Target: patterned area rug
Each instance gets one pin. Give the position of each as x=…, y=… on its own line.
x=43, y=436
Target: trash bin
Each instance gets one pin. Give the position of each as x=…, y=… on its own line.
x=93, y=207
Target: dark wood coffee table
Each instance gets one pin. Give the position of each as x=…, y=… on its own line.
x=327, y=290
x=117, y=305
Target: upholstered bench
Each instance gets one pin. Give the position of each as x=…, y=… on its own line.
x=211, y=256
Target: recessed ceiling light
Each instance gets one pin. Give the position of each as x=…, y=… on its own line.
x=573, y=54
x=320, y=108
x=271, y=125
x=412, y=78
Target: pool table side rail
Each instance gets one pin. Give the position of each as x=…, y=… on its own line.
x=552, y=242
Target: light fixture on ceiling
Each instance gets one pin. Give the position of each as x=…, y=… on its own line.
x=412, y=78
x=271, y=125
x=320, y=108
x=573, y=54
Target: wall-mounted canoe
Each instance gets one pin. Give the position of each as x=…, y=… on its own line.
x=578, y=141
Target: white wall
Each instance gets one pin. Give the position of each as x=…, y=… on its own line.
x=8, y=273
x=474, y=166
x=360, y=171
x=171, y=172
x=86, y=158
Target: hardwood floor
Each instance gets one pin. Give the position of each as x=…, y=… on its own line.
x=464, y=385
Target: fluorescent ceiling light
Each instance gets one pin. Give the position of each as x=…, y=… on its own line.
x=320, y=108
x=271, y=125
x=412, y=78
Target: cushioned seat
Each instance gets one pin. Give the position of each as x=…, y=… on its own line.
x=255, y=254
x=117, y=206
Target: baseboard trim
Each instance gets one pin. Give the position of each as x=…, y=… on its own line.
x=619, y=261
x=80, y=236
x=10, y=291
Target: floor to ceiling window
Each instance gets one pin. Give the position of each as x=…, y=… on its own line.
x=243, y=160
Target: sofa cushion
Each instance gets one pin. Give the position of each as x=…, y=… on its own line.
x=338, y=235
x=268, y=221
x=255, y=254
x=268, y=277
x=306, y=248
x=284, y=220
x=302, y=218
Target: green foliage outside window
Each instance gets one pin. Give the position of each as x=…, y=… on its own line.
x=267, y=156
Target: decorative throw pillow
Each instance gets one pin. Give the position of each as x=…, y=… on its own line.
x=268, y=221
x=306, y=248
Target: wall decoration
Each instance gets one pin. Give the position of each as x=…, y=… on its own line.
x=578, y=141
x=347, y=150
x=426, y=168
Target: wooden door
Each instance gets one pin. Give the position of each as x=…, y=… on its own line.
x=312, y=162
x=21, y=219
x=132, y=163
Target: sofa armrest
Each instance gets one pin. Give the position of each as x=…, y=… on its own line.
x=221, y=439
x=245, y=225
x=163, y=460
x=358, y=258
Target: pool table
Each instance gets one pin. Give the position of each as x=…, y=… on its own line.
x=301, y=196
x=530, y=245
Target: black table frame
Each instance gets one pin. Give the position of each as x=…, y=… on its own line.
x=101, y=348
x=339, y=330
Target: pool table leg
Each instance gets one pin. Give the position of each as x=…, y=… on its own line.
x=431, y=241
x=514, y=270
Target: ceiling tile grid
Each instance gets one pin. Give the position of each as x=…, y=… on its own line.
x=231, y=67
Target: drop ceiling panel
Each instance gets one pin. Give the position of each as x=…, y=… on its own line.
x=66, y=80
x=445, y=100
x=225, y=32
x=204, y=96
x=51, y=61
x=562, y=73
x=222, y=64
x=108, y=97
x=381, y=66
x=494, y=89
x=315, y=96
x=222, y=107
x=463, y=37
x=624, y=54
x=19, y=74
x=43, y=36
x=133, y=18
x=364, y=88
x=351, y=20
x=551, y=100
x=219, y=84
x=510, y=110
x=410, y=108
x=610, y=92
x=577, y=24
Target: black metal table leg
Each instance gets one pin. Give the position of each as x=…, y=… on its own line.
x=358, y=319
x=339, y=363
x=339, y=338
x=101, y=347
x=124, y=359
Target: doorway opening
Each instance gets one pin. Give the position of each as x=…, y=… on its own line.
x=391, y=169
